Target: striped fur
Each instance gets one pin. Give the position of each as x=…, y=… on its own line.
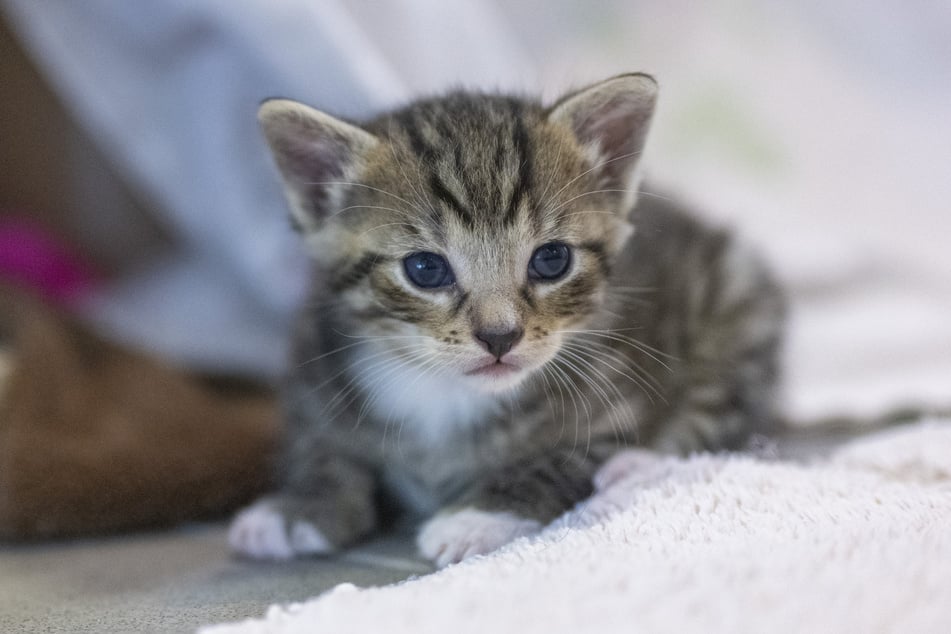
x=666, y=339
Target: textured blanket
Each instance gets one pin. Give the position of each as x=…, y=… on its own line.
x=860, y=542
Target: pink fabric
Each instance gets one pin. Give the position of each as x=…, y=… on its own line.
x=32, y=258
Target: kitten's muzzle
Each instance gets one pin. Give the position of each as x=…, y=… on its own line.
x=498, y=343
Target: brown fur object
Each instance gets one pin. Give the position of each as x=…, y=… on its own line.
x=95, y=438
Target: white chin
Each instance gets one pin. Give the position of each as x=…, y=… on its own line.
x=495, y=384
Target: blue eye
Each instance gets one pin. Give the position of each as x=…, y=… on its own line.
x=428, y=270
x=550, y=261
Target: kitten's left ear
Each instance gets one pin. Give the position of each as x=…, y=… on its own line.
x=611, y=120
x=315, y=153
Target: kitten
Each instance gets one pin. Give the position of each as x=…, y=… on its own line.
x=486, y=326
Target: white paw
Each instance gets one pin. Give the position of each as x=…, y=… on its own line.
x=630, y=462
x=260, y=532
x=451, y=537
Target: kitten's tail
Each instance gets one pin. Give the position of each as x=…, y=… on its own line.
x=797, y=438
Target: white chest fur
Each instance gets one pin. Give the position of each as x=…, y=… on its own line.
x=430, y=405
x=428, y=418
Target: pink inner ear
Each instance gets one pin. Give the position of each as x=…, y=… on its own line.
x=615, y=119
x=310, y=160
x=619, y=131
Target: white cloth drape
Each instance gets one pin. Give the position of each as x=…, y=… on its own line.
x=169, y=90
x=819, y=129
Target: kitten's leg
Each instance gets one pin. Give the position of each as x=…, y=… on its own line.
x=318, y=511
x=510, y=503
x=731, y=363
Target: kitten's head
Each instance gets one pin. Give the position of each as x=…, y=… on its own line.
x=465, y=234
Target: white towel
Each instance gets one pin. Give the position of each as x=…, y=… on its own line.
x=859, y=543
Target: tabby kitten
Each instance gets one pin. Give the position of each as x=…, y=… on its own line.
x=486, y=327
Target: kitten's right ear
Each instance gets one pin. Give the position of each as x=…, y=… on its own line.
x=315, y=153
x=610, y=120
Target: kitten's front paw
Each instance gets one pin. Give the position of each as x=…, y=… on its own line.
x=261, y=532
x=632, y=466
x=451, y=537
x=625, y=463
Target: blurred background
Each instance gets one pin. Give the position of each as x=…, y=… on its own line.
x=819, y=129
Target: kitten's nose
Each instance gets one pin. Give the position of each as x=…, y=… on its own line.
x=498, y=343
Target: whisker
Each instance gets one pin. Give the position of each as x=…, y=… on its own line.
x=381, y=386
x=548, y=396
x=359, y=361
x=431, y=362
x=586, y=403
x=428, y=369
x=634, y=343
x=612, y=406
x=624, y=360
x=327, y=354
x=589, y=193
x=377, y=379
x=400, y=212
x=647, y=383
x=364, y=185
x=387, y=224
x=593, y=168
x=644, y=192
x=394, y=353
x=563, y=379
x=589, y=211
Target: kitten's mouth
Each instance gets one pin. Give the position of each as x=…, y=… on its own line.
x=494, y=369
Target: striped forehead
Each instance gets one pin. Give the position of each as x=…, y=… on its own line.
x=473, y=156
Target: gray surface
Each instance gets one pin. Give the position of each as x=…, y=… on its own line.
x=171, y=581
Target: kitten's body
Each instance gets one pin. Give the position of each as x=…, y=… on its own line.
x=667, y=339
x=678, y=285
